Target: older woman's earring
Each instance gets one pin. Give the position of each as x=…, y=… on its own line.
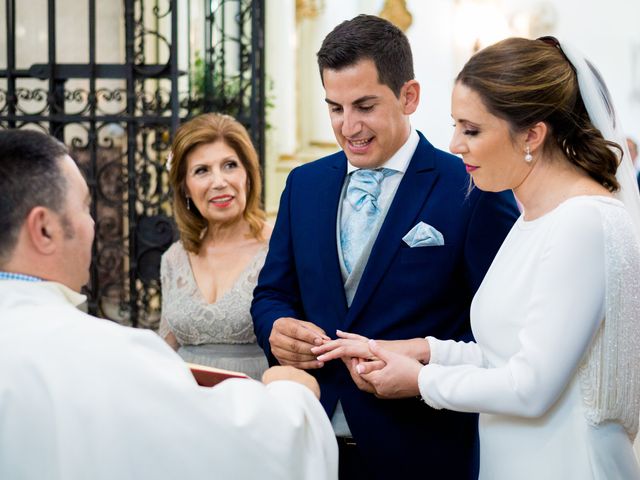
x=528, y=157
x=188, y=203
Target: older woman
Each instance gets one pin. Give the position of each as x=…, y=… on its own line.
x=208, y=276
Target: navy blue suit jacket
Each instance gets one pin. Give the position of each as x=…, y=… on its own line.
x=404, y=293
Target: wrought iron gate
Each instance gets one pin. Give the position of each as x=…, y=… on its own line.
x=175, y=58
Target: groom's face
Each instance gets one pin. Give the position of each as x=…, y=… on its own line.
x=370, y=123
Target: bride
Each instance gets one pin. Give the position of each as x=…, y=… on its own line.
x=555, y=372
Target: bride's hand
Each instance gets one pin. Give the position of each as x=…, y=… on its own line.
x=361, y=383
x=397, y=379
x=349, y=345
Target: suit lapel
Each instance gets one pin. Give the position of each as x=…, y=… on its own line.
x=326, y=221
x=415, y=187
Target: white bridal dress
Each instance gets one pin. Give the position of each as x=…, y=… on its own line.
x=553, y=371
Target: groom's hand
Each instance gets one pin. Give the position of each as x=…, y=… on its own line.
x=291, y=342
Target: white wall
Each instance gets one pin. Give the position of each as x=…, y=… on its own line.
x=435, y=65
x=605, y=31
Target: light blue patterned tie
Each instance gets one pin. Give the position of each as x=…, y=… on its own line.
x=360, y=213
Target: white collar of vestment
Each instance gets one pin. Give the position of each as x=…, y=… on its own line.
x=46, y=291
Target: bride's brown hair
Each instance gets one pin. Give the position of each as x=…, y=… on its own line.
x=529, y=81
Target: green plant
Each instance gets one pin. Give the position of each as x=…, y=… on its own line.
x=222, y=93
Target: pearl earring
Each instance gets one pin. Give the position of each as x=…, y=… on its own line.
x=528, y=157
x=188, y=203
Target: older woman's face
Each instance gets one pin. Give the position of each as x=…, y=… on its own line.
x=216, y=181
x=485, y=144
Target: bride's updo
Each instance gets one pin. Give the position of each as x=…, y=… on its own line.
x=529, y=81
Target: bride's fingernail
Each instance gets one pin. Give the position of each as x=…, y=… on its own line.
x=359, y=368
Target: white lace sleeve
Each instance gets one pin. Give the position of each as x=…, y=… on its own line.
x=609, y=375
x=609, y=378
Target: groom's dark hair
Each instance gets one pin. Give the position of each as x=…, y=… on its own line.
x=373, y=38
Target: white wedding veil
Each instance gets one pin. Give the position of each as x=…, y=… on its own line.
x=602, y=113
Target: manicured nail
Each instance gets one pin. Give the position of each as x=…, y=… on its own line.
x=359, y=368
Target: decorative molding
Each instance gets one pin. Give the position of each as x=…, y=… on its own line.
x=308, y=9
x=396, y=12
x=484, y=22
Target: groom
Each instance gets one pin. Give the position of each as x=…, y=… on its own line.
x=381, y=239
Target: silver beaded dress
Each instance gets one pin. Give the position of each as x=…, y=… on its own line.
x=218, y=334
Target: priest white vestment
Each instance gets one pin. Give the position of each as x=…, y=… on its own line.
x=84, y=398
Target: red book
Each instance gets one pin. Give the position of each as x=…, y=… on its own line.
x=210, y=376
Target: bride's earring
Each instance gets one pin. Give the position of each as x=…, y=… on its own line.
x=528, y=157
x=188, y=203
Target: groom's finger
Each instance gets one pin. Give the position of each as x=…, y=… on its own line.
x=297, y=330
x=297, y=360
x=315, y=329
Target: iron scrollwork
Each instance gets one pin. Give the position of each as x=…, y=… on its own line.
x=118, y=120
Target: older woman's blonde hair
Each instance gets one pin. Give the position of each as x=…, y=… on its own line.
x=203, y=129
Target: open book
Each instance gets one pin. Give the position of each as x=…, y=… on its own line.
x=210, y=376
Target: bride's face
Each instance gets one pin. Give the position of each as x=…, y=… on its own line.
x=490, y=154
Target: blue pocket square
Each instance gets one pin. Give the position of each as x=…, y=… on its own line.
x=423, y=235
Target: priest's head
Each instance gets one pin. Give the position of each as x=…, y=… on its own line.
x=46, y=229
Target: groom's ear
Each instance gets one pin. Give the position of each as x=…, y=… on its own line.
x=410, y=96
x=536, y=136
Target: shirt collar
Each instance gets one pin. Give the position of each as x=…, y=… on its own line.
x=18, y=276
x=400, y=160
